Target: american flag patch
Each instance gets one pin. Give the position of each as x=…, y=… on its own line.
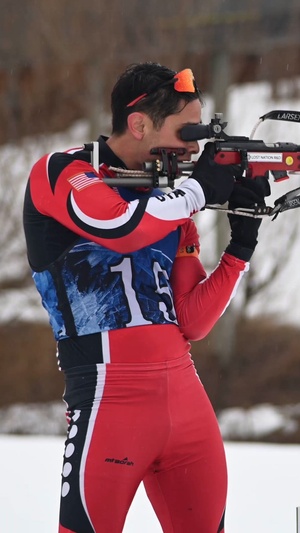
x=83, y=180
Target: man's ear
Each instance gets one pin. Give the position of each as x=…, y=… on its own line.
x=136, y=124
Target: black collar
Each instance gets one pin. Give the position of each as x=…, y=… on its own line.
x=107, y=156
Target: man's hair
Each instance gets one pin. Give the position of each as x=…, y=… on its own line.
x=158, y=103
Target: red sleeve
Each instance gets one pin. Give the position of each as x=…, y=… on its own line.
x=200, y=300
x=74, y=194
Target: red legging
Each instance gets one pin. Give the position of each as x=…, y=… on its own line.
x=134, y=422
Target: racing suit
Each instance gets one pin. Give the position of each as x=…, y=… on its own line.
x=119, y=274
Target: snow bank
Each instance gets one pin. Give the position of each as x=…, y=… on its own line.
x=255, y=423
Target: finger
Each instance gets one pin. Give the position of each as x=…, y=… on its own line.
x=242, y=193
x=264, y=184
x=258, y=185
x=209, y=149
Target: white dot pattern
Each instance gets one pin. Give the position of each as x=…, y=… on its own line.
x=69, y=451
x=70, y=448
x=73, y=432
x=67, y=469
x=65, y=489
x=76, y=415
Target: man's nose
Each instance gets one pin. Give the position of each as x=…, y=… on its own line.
x=193, y=147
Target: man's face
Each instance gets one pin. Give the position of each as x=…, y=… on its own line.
x=168, y=136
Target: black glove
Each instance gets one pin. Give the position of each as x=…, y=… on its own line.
x=244, y=230
x=216, y=180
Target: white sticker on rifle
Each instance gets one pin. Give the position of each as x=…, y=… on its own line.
x=264, y=157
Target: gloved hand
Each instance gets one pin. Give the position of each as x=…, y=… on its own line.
x=216, y=180
x=244, y=230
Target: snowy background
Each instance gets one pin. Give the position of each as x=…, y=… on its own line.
x=264, y=488
x=264, y=480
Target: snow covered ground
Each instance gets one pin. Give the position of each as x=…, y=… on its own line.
x=264, y=488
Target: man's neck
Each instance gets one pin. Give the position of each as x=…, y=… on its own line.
x=126, y=150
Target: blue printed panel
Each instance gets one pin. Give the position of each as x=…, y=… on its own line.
x=95, y=293
x=46, y=287
x=106, y=290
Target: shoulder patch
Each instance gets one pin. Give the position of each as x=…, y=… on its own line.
x=83, y=180
x=187, y=251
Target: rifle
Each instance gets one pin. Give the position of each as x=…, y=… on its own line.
x=255, y=157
